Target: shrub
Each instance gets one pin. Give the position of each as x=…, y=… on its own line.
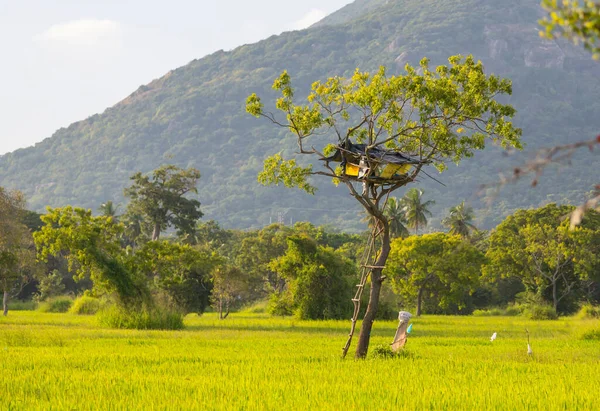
x=56, y=305
x=384, y=351
x=258, y=307
x=588, y=311
x=85, y=305
x=22, y=305
x=144, y=319
x=540, y=312
x=512, y=311
x=280, y=304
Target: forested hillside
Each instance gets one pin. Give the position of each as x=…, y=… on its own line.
x=194, y=116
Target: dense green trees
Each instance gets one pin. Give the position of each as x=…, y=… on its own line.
x=91, y=245
x=435, y=266
x=539, y=248
x=17, y=257
x=437, y=116
x=318, y=280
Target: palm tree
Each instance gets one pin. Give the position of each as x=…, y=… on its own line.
x=459, y=220
x=415, y=210
x=108, y=209
x=394, y=212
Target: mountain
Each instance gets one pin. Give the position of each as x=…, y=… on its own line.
x=194, y=115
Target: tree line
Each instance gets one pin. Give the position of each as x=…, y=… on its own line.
x=533, y=257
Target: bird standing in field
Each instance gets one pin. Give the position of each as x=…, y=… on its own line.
x=529, y=350
x=493, y=337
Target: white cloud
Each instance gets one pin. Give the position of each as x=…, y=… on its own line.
x=310, y=18
x=84, y=32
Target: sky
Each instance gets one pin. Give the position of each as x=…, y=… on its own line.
x=65, y=60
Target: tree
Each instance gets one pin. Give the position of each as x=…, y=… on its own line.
x=16, y=247
x=459, y=220
x=437, y=116
x=256, y=252
x=317, y=279
x=229, y=284
x=579, y=22
x=178, y=274
x=108, y=209
x=538, y=247
x=160, y=198
x=415, y=210
x=437, y=263
x=395, y=213
x=91, y=245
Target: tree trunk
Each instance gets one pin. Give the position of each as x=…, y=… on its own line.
x=420, y=300
x=156, y=232
x=220, y=308
x=376, y=280
x=554, y=296
x=5, y=302
x=227, y=309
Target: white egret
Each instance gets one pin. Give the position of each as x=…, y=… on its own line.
x=493, y=337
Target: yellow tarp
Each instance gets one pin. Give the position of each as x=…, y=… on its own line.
x=352, y=170
x=391, y=169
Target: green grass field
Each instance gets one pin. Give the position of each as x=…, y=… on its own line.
x=63, y=361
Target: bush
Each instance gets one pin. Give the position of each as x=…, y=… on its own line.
x=144, y=319
x=56, y=305
x=280, y=304
x=384, y=351
x=85, y=305
x=22, y=305
x=540, y=312
x=512, y=311
x=258, y=307
x=588, y=311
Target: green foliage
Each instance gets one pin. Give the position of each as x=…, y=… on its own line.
x=384, y=352
x=23, y=305
x=161, y=200
x=281, y=304
x=538, y=247
x=415, y=209
x=317, y=277
x=85, y=305
x=438, y=267
x=17, y=261
x=50, y=285
x=144, y=319
x=396, y=214
x=459, y=220
x=258, y=307
x=180, y=271
x=576, y=20
x=277, y=170
x=586, y=311
x=540, y=312
x=92, y=246
x=591, y=334
x=56, y=305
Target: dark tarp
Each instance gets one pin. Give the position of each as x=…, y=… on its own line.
x=353, y=152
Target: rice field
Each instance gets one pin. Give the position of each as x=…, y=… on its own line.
x=251, y=362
